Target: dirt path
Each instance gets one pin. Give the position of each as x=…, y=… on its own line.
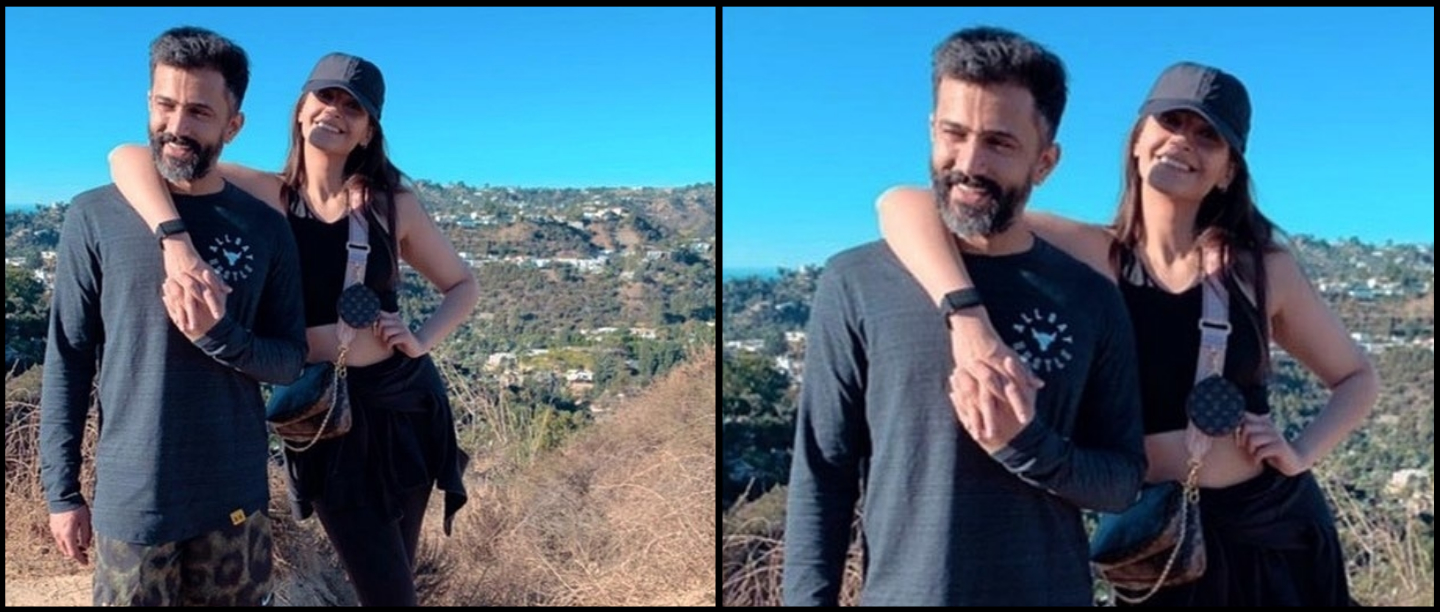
x=57, y=591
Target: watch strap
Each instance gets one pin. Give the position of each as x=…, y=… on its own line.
x=167, y=229
x=959, y=300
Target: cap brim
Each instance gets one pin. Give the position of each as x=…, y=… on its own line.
x=1155, y=107
x=321, y=84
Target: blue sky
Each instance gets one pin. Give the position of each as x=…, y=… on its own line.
x=545, y=97
x=824, y=109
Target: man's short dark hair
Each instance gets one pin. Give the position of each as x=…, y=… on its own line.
x=996, y=56
x=192, y=48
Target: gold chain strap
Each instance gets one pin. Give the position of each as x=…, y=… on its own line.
x=1190, y=496
x=340, y=361
x=334, y=402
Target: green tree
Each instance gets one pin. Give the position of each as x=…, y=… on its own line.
x=758, y=425
x=646, y=356
x=607, y=369
x=26, y=316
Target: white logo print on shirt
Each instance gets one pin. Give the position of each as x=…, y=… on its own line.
x=1043, y=343
x=231, y=258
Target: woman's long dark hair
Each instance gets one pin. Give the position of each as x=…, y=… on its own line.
x=1228, y=220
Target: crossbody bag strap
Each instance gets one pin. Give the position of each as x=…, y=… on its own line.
x=1214, y=338
x=358, y=249
x=1214, y=319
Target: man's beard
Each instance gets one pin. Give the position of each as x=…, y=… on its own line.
x=199, y=164
x=993, y=216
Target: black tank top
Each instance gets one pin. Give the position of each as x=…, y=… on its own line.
x=323, y=257
x=1167, y=342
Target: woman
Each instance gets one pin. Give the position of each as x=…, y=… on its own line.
x=1270, y=538
x=369, y=487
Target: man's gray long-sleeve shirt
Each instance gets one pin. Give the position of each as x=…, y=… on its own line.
x=946, y=523
x=183, y=439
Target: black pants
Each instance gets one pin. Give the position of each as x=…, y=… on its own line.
x=378, y=550
x=370, y=486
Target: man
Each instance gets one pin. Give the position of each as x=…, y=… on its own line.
x=987, y=513
x=181, y=489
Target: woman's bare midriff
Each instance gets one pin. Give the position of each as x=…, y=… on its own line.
x=1225, y=464
x=365, y=349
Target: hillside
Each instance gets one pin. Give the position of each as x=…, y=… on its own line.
x=596, y=305
x=585, y=294
x=618, y=513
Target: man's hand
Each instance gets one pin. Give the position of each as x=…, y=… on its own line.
x=992, y=422
x=980, y=353
x=185, y=266
x=188, y=310
x=72, y=533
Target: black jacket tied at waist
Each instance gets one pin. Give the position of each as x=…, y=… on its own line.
x=402, y=438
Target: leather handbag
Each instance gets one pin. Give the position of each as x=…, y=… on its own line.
x=315, y=407
x=1156, y=543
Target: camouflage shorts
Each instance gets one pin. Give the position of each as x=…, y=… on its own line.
x=225, y=567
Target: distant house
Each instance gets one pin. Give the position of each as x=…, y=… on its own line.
x=749, y=346
x=594, y=264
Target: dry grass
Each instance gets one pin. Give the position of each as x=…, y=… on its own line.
x=754, y=554
x=621, y=515
x=29, y=549
x=1389, y=562
x=501, y=438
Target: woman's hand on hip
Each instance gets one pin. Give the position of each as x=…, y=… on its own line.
x=395, y=334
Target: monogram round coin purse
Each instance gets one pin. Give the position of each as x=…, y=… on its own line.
x=1216, y=406
x=359, y=306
